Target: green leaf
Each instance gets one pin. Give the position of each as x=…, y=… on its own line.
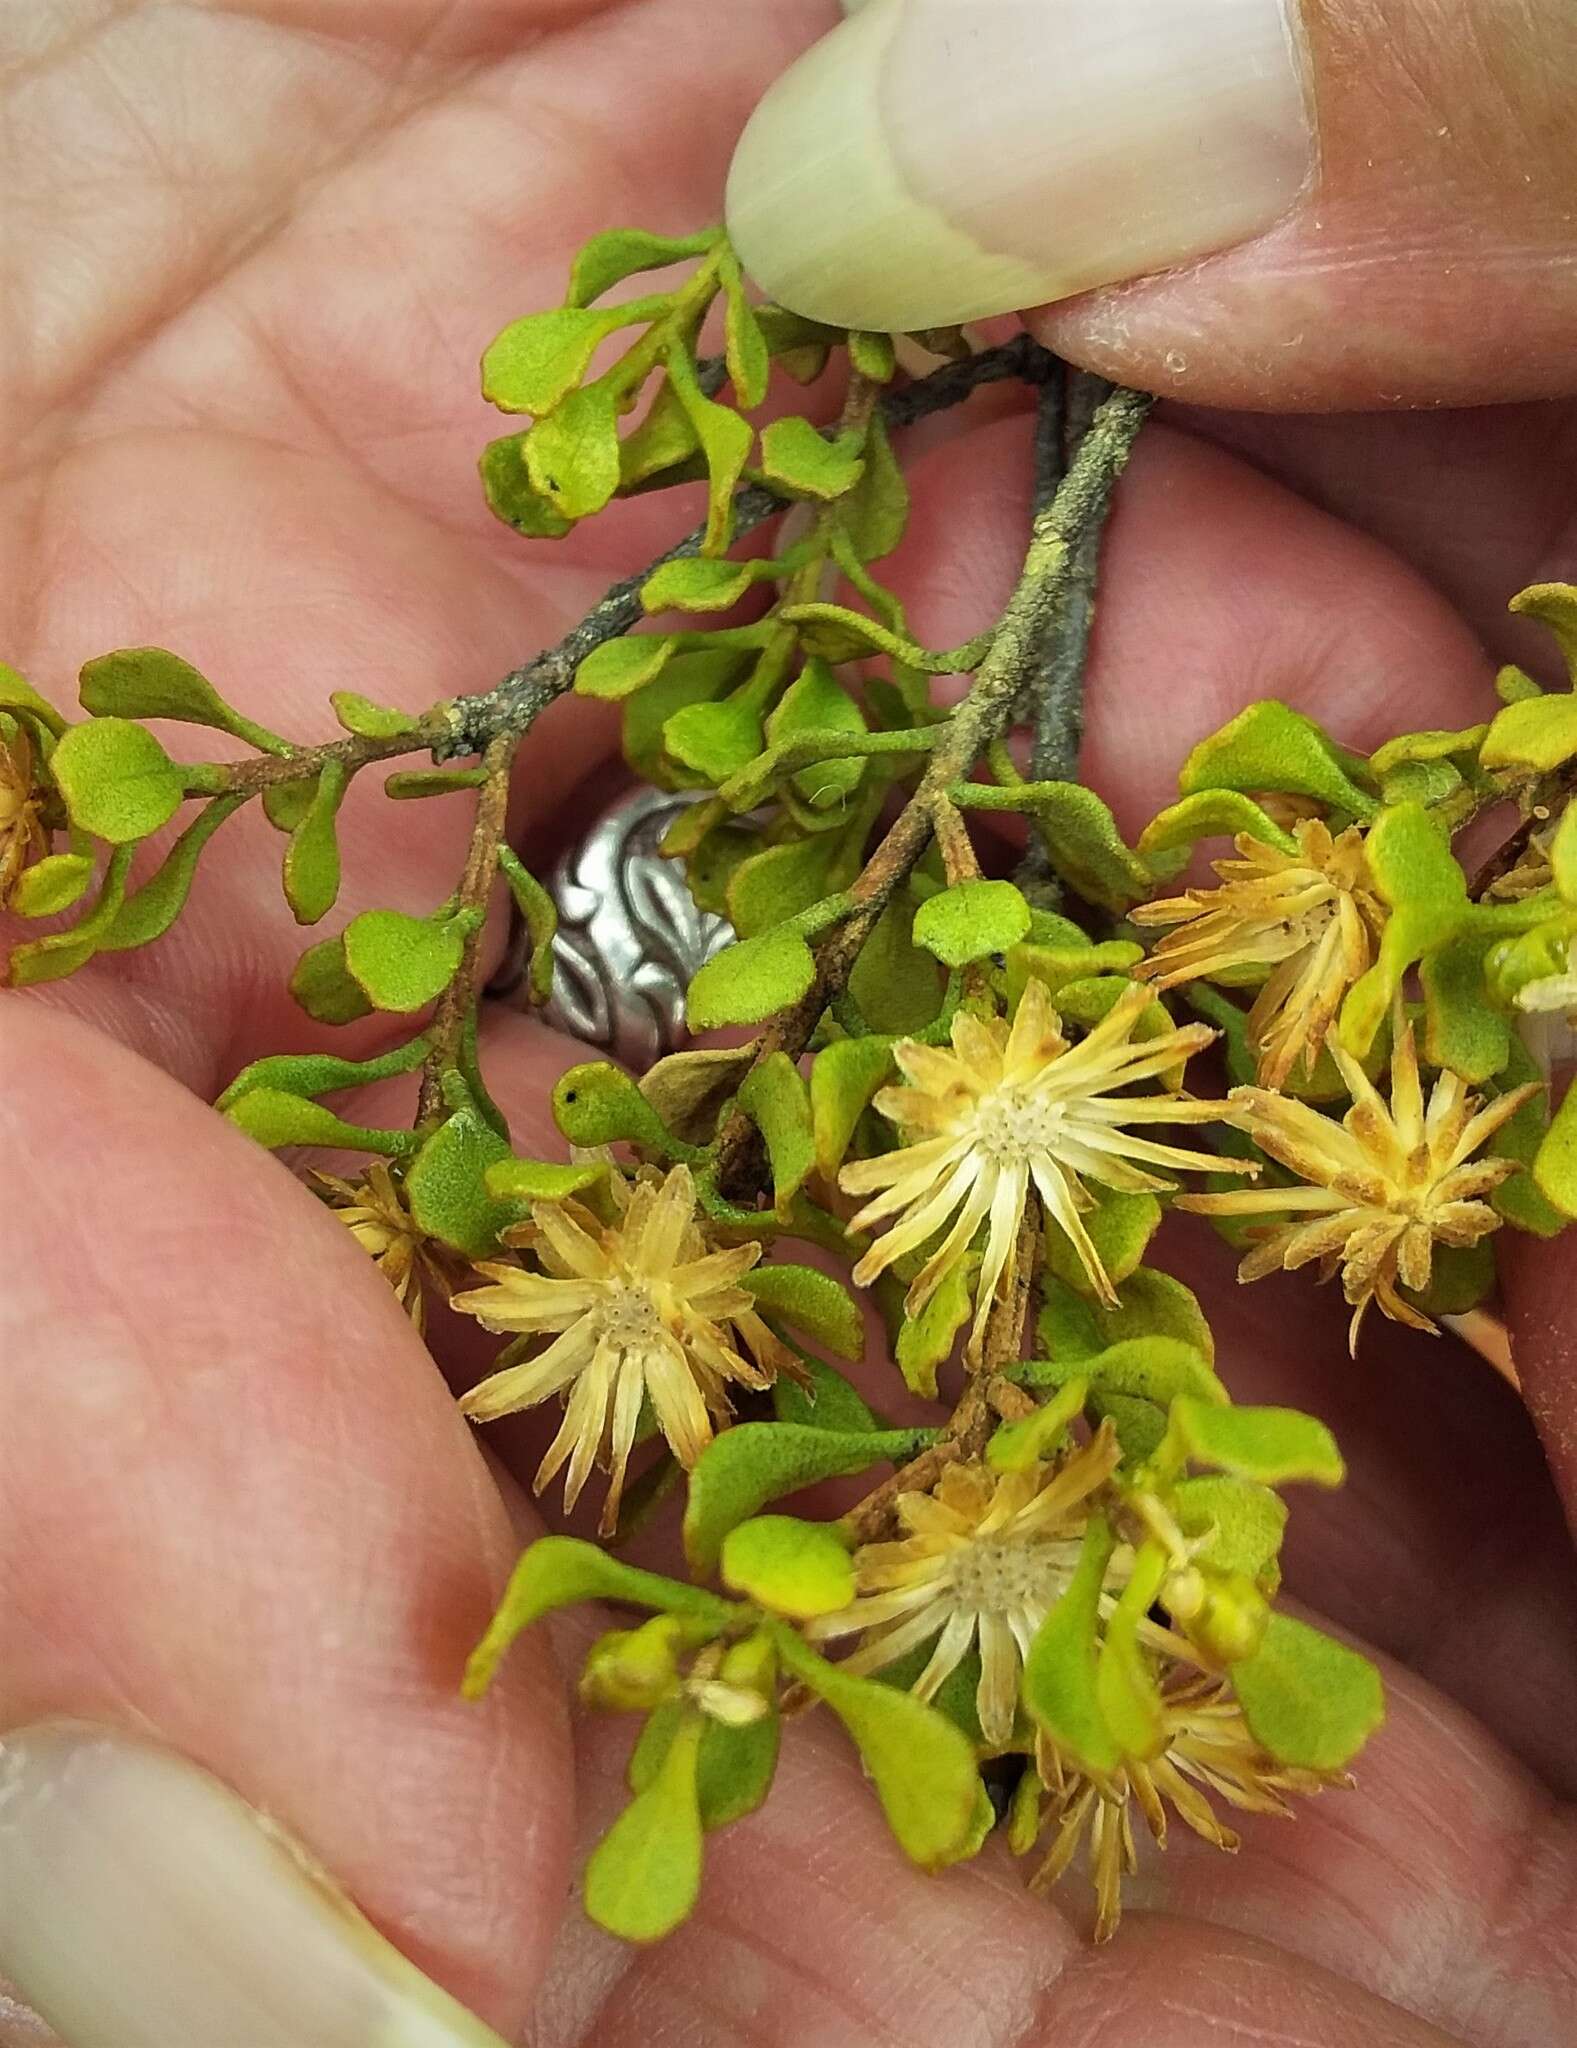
x=537, y=360
x=150, y=682
x=744, y=345
x=311, y=868
x=321, y=983
x=1311, y=1701
x=813, y=1302
x=1148, y=1368
x=321, y=1073
x=794, y=1568
x=1270, y=746
x=1016, y=1446
x=523, y=1181
x=274, y=1118
x=51, y=885
x=895, y=983
x=607, y=259
x=663, y=448
x=1060, y=1671
x=618, y=667
x=285, y=804
x=769, y=887
x=751, y=981
x=1272, y=1445
x=572, y=456
x=1518, y=1199
x=1081, y=837
x=1463, y=1031
x=843, y=1079
x=689, y=1089
x=369, y=721
x=1410, y=858
x=1211, y=814
x=1150, y=1303
x=597, y=1104
x=150, y=910
x=1513, y=684
x=18, y=694
x=117, y=781
x=726, y=441
x=446, y=1188
x=1534, y=737
x=971, y=921
x=817, y=702
x=1120, y=1227
x=402, y=963
x=1553, y=605
x=562, y=1571
x=876, y=511
x=799, y=463
x=716, y=740
x=408, y=784
x=776, y=1100
x=61, y=953
x=1555, y=1163
x=828, y=1402
x=756, y=1462
x=923, y=1767
x=644, y=1877
x=736, y=1765
x=511, y=495
x=926, y=1341
x=1125, y=1688
x=1563, y=854
x=1244, y=1522
x=694, y=584
x=801, y=346
x=539, y=914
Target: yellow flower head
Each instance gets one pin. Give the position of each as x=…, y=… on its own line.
x=1009, y=1107
x=373, y=1210
x=1207, y=1748
x=1380, y=1188
x=983, y=1559
x=641, y=1308
x=23, y=837
x=1310, y=919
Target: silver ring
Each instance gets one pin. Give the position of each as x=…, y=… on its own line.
x=629, y=937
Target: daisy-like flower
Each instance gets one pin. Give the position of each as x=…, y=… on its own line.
x=1012, y=1106
x=642, y=1308
x=1207, y=1749
x=373, y=1210
x=983, y=1559
x=1381, y=1187
x=23, y=838
x=1310, y=919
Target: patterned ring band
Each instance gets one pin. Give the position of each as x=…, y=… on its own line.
x=629, y=937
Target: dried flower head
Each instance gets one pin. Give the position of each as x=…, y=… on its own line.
x=23, y=836
x=983, y=1559
x=1013, y=1106
x=1311, y=918
x=643, y=1308
x=1207, y=1748
x=374, y=1211
x=1380, y=1188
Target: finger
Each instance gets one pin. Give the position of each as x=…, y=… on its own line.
x=1541, y=1292
x=258, y=1537
x=1392, y=182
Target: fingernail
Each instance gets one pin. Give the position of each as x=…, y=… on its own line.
x=144, y=1905
x=939, y=160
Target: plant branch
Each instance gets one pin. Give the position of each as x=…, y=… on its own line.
x=447, y=1030
x=513, y=704
x=982, y=717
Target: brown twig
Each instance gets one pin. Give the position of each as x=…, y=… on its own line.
x=447, y=1029
x=984, y=714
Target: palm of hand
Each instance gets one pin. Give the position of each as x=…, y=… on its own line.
x=263, y=258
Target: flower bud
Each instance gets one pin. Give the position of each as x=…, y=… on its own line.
x=633, y=1670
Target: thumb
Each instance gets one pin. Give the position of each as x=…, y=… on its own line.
x=1386, y=190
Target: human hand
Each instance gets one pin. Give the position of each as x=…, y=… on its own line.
x=255, y=1531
